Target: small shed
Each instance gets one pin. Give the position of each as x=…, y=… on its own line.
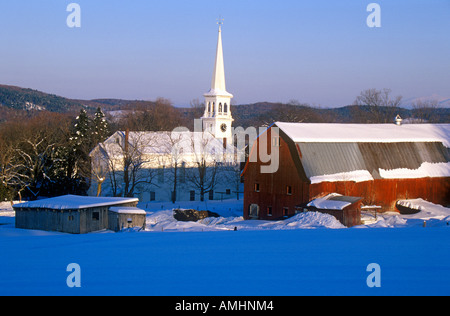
x=120, y=217
x=69, y=213
x=346, y=209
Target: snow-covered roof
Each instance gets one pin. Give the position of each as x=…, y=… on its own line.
x=75, y=202
x=127, y=210
x=363, y=152
x=165, y=142
x=367, y=133
x=333, y=201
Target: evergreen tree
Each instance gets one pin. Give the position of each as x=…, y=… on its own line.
x=81, y=131
x=100, y=128
x=78, y=164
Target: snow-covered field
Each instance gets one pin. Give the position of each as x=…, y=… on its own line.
x=308, y=254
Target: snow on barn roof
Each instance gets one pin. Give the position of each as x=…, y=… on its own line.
x=367, y=133
x=363, y=152
x=333, y=201
x=75, y=202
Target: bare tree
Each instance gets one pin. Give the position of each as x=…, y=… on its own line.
x=99, y=168
x=126, y=162
x=294, y=112
x=36, y=154
x=233, y=174
x=382, y=108
x=206, y=160
x=175, y=151
x=425, y=111
x=9, y=168
x=159, y=115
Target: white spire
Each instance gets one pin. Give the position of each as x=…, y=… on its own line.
x=218, y=80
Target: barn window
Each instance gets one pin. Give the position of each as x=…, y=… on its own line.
x=269, y=210
x=285, y=211
x=256, y=187
x=288, y=190
x=71, y=218
x=228, y=192
x=152, y=196
x=192, y=195
x=211, y=195
x=95, y=216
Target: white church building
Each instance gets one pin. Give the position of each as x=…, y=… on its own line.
x=178, y=165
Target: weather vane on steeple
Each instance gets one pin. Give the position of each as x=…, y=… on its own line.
x=220, y=22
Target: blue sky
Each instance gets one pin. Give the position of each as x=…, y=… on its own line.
x=320, y=52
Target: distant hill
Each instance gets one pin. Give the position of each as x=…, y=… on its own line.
x=32, y=100
x=15, y=102
x=18, y=102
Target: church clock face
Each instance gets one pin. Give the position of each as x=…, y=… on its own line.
x=223, y=128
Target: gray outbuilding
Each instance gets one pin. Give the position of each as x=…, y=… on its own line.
x=70, y=213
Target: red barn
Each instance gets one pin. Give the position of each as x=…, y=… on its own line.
x=381, y=163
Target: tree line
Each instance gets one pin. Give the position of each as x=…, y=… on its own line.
x=48, y=154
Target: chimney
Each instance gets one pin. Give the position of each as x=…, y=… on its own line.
x=127, y=139
x=398, y=120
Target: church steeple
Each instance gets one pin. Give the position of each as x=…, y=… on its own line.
x=218, y=80
x=217, y=118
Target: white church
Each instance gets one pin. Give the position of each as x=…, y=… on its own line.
x=178, y=165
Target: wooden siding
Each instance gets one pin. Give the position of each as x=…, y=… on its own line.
x=273, y=186
x=350, y=216
x=80, y=221
x=49, y=220
x=118, y=221
x=386, y=192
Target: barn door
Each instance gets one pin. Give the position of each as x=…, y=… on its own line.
x=253, y=211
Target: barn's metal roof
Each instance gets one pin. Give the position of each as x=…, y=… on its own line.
x=330, y=158
x=362, y=158
x=319, y=159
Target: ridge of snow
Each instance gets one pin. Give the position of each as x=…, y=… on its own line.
x=356, y=176
x=427, y=169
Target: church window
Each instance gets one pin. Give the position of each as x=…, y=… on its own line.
x=183, y=172
x=161, y=174
x=220, y=107
x=209, y=107
x=225, y=108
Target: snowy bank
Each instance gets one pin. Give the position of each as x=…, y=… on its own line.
x=164, y=221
